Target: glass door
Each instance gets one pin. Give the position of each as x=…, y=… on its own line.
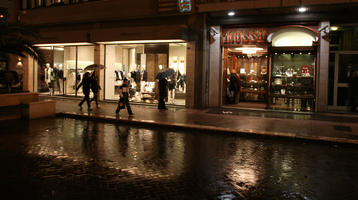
x=345, y=63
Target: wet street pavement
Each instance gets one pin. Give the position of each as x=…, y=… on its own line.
x=61, y=158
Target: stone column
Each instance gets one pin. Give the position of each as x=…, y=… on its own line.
x=322, y=71
x=99, y=59
x=190, y=75
x=214, y=67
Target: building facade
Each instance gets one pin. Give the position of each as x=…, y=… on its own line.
x=266, y=55
x=133, y=41
x=280, y=55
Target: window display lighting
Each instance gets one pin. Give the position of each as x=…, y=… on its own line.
x=231, y=13
x=302, y=9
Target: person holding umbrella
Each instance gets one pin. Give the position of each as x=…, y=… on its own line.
x=85, y=84
x=163, y=86
x=95, y=87
x=163, y=93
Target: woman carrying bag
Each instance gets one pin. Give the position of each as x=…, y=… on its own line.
x=123, y=100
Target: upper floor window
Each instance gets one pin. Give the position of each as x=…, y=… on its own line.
x=29, y=4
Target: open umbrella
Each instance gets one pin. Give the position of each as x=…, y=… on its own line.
x=165, y=73
x=94, y=67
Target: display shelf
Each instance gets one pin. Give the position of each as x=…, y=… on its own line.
x=292, y=96
x=254, y=91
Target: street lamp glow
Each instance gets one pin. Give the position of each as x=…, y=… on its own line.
x=302, y=9
x=231, y=13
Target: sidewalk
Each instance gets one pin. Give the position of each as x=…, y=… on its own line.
x=341, y=128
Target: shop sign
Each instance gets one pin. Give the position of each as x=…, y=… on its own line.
x=244, y=36
x=184, y=5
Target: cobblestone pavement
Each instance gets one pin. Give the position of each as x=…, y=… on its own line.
x=62, y=159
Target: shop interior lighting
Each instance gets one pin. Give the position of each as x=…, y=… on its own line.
x=334, y=28
x=302, y=9
x=249, y=50
x=231, y=13
x=63, y=44
x=141, y=41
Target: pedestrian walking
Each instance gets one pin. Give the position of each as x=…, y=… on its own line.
x=95, y=87
x=85, y=84
x=124, y=97
x=163, y=93
x=353, y=88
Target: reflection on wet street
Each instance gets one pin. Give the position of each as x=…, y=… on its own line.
x=74, y=159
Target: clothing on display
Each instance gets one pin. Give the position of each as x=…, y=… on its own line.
x=119, y=75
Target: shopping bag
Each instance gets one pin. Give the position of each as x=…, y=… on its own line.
x=121, y=103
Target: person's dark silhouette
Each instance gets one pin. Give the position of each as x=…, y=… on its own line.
x=85, y=84
x=163, y=93
x=353, y=88
x=124, y=97
x=95, y=87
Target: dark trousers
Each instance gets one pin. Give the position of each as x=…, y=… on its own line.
x=161, y=103
x=95, y=97
x=354, y=102
x=126, y=103
x=85, y=98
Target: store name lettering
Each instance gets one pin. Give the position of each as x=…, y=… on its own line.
x=242, y=37
x=184, y=5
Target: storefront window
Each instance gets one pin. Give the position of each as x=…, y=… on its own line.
x=63, y=70
x=85, y=57
x=292, y=81
x=140, y=63
x=45, y=73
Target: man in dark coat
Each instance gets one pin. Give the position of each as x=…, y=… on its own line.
x=85, y=84
x=234, y=87
x=163, y=93
x=353, y=87
x=95, y=87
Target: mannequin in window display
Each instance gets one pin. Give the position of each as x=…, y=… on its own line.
x=57, y=79
x=171, y=87
x=61, y=78
x=181, y=76
x=50, y=78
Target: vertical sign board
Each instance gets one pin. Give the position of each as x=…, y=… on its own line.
x=184, y=6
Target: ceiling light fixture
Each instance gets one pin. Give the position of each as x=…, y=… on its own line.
x=334, y=28
x=302, y=9
x=231, y=13
x=249, y=50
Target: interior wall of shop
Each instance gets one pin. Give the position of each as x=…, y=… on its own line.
x=323, y=72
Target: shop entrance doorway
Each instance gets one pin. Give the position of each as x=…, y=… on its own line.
x=245, y=77
x=345, y=62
